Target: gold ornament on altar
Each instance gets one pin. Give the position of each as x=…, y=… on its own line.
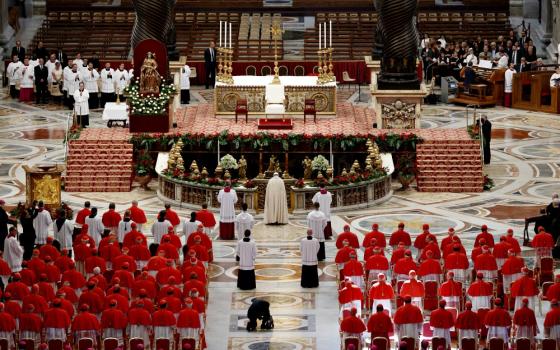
x=149, y=75
x=180, y=164
x=46, y=189
x=193, y=165
x=273, y=164
x=329, y=172
x=344, y=173
x=352, y=172
x=374, y=157
x=356, y=166
x=204, y=173
x=242, y=168
x=218, y=172
x=227, y=175
x=320, y=176
x=195, y=174
x=307, y=168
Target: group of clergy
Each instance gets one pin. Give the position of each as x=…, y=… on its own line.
x=416, y=284
x=96, y=277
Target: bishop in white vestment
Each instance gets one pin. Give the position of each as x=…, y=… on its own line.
x=13, y=252
x=309, y=247
x=227, y=197
x=276, y=202
x=243, y=221
x=41, y=224
x=317, y=222
x=324, y=198
x=246, y=254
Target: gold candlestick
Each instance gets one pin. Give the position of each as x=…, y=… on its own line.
x=276, y=35
x=220, y=74
x=320, y=67
x=331, y=67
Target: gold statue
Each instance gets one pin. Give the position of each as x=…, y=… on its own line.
x=273, y=164
x=307, y=168
x=149, y=76
x=242, y=168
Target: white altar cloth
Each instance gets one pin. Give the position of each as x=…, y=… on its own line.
x=251, y=80
x=114, y=111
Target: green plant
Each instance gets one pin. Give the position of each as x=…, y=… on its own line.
x=405, y=167
x=488, y=183
x=149, y=103
x=144, y=163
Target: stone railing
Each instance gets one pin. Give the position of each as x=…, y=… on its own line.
x=193, y=195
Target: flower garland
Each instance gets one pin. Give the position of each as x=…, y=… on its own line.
x=149, y=103
x=386, y=142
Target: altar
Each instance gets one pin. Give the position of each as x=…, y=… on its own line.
x=296, y=88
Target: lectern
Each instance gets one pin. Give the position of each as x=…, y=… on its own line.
x=43, y=183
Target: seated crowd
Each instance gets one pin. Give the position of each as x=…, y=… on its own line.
x=441, y=294
x=96, y=281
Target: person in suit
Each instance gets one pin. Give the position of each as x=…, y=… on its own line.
x=40, y=51
x=41, y=81
x=61, y=56
x=515, y=55
x=523, y=66
x=18, y=51
x=210, y=64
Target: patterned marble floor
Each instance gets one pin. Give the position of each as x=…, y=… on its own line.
x=525, y=168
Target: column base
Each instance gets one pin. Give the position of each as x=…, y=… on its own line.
x=398, y=109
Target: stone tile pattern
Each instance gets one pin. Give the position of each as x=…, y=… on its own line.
x=101, y=165
x=449, y=161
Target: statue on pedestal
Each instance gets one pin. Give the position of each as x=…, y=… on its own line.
x=149, y=76
x=242, y=168
x=307, y=168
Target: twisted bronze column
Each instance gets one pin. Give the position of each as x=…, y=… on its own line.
x=154, y=19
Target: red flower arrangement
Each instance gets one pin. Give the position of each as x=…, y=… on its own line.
x=299, y=183
x=249, y=184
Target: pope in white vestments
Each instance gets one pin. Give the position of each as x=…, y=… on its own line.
x=317, y=222
x=13, y=252
x=41, y=224
x=227, y=198
x=243, y=221
x=276, y=202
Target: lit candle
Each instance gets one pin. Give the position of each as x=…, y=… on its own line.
x=221, y=33
x=330, y=33
x=320, y=25
x=225, y=34
x=230, y=35
x=325, y=35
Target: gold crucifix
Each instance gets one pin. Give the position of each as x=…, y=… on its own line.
x=276, y=35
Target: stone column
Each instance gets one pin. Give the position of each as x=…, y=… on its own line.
x=516, y=8
x=6, y=32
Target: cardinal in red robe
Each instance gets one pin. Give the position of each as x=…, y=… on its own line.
x=114, y=322
x=93, y=261
x=450, y=239
x=525, y=322
x=484, y=234
x=352, y=325
x=354, y=270
x=49, y=250
x=171, y=216
x=449, y=248
x=552, y=321
x=86, y=325
x=543, y=242
x=400, y=235
x=441, y=320
x=76, y=279
x=375, y=264
x=525, y=287
x=196, y=266
x=553, y=291
x=111, y=218
x=414, y=289
x=380, y=323
x=173, y=238
x=207, y=218
x=513, y=241
x=17, y=288
x=468, y=323
x=136, y=214
x=511, y=270
x=398, y=253
x=350, y=296
x=131, y=238
x=480, y=293
x=343, y=254
x=421, y=240
x=83, y=214
x=500, y=251
x=451, y=291
x=64, y=261
x=139, y=321
x=381, y=293
x=498, y=322
x=56, y=321
x=408, y=319
x=95, y=301
x=430, y=268
x=486, y=263
x=7, y=326
x=374, y=234
x=188, y=321
x=347, y=235
x=163, y=321
x=404, y=266
x=30, y=324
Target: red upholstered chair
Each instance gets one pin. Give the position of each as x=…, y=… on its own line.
x=546, y=271
x=522, y=343
x=241, y=109
x=85, y=343
x=381, y=343
x=431, y=296
x=109, y=344
x=427, y=331
x=548, y=344
x=134, y=342
x=190, y=341
x=163, y=344
x=481, y=316
x=309, y=109
x=437, y=341
x=352, y=340
x=55, y=344
x=410, y=343
x=29, y=344
x=4, y=344
x=468, y=344
x=496, y=344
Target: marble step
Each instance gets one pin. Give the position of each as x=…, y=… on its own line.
x=453, y=189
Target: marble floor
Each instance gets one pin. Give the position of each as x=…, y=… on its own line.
x=525, y=169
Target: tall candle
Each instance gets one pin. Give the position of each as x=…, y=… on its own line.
x=230, y=35
x=221, y=33
x=330, y=33
x=325, y=35
x=225, y=34
x=320, y=25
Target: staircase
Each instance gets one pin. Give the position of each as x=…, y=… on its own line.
x=99, y=166
x=449, y=166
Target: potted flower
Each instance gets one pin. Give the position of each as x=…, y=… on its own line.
x=143, y=168
x=227, y=162
x=488, y=183
x=319, y=164
x=300, y=183
x=405, y=169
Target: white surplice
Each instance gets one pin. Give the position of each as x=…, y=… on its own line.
x=64, y=234
x=123, y=228
x=41, y=224
x=324, y=201
x=91, y=78
x=243, y=221
x=159, y=229
x=13, y=253
x=189, y=227
x=317, y=222
x=276, y=202
x=227, y=202
x=247, y=253
x=309, y=249
x=14, y=72
x=81, y=105
x=95, y=228
x=121, y=78
x=107, y=81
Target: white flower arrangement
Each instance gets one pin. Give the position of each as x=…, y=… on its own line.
x=150, y=104
x=228, y=162
x=319, y=163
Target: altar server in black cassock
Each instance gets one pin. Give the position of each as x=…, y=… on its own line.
x=309, y=247
x=246, y=254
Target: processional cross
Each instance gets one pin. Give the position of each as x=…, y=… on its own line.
x=277, y=32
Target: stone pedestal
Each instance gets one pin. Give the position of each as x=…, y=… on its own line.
x=398, y=109
x=374, y=67
x=175, y=72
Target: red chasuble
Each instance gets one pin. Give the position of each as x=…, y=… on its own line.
x=139, y=316
x=85, y=321
x=352, y=324
x=30, y=322
x=377, y=262
x=400, y=236
x=487, y=237
x=172, y=217
x=381, y=290
x=56, y=318
x=404, y=265
x=349, y=294
x=500, y=250
x=524, y=317
x=513, y=265
x=163, y=318
x=7, y=322
x=552, y=317
x=378, y=236
x=130, y=239
x=480, y=288
x=113, y=318
x=111, y=218
x=543, y=240
x=485, y=261
x=429, y=267
x=408, y=313
x=188, y=318
x=351, y=237
x=380, y=325
x=353, y=268
x=450, y=289
x=343, y=255
x=420, y=241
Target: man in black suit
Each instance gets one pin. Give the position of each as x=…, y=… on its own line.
x=515, y=55
x=61, y=57
x=40, y=51
x=18, y=51
x=523, y=66
x=41, y=74
x=210, y=64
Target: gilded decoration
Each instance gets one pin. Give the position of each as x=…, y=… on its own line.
x=227, y=96
x=47, y=188
x=398, y=115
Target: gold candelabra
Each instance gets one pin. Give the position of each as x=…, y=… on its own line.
x=276, y=35
x=225, y=65
x=325, y=66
